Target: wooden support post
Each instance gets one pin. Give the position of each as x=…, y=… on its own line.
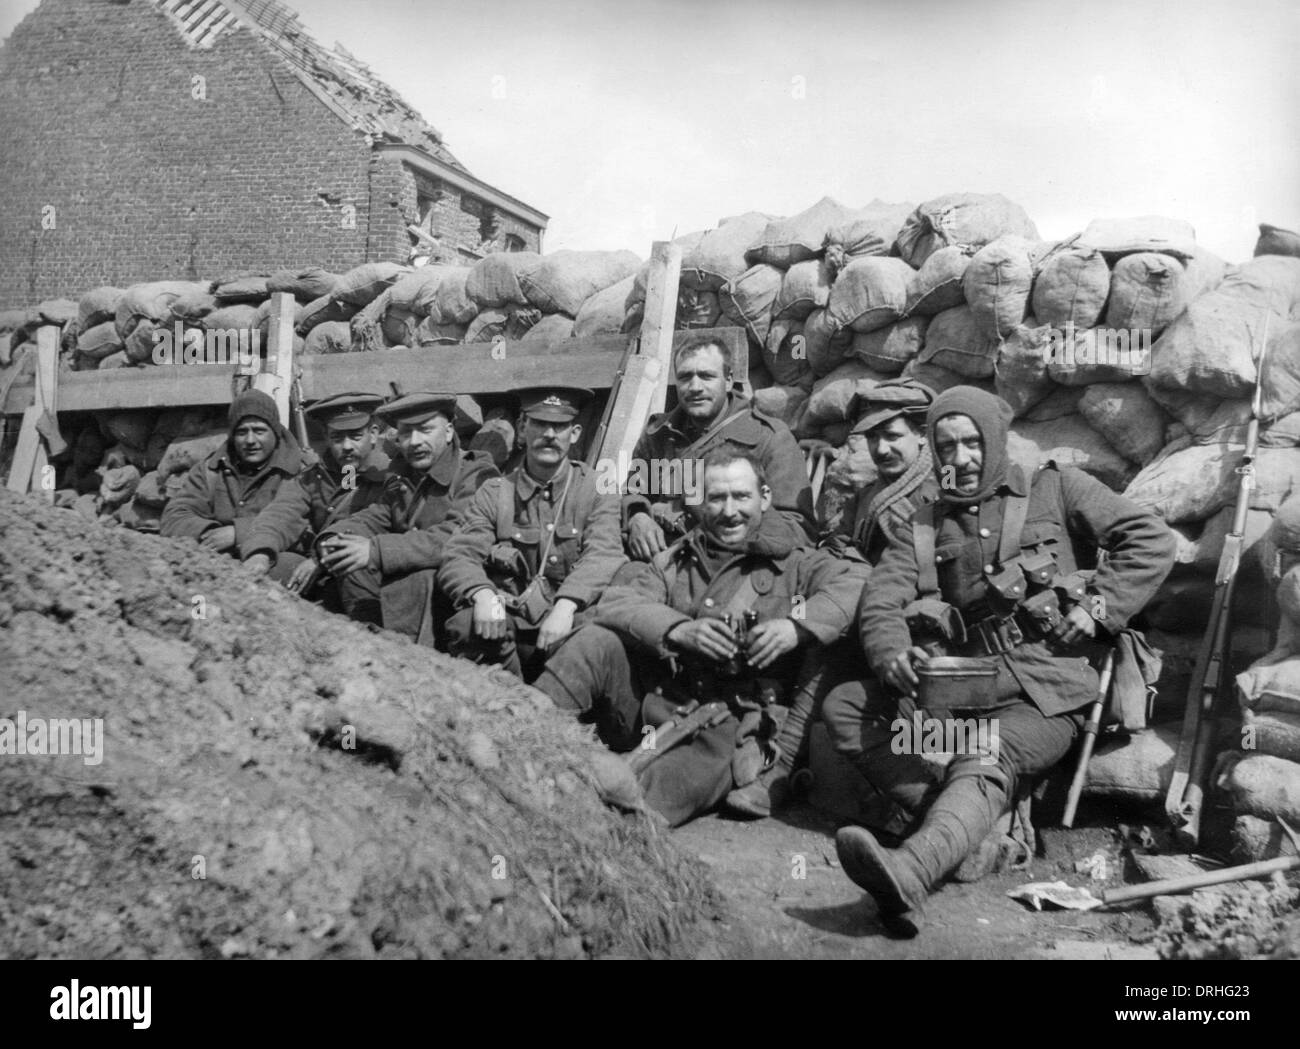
x=30, y=458
x=276, y=376
x=661, y=315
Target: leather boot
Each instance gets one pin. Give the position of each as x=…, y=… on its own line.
x=772, y=789
x=900, y=879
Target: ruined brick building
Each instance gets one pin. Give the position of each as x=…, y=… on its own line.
x=182, y=139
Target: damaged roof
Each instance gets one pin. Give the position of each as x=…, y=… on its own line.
x=339, y=79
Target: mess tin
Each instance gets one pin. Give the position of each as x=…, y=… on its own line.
x=957, y=683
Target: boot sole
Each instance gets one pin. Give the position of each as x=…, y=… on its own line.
x=866, y=861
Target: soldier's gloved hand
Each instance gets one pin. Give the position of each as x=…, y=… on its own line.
x=705, y=637
x=343, y=554
x=489, y=615
x=301, y=576
x=219, y=539
x=899, y=672
x=259, y=563
x=644, y=537
x=557, y=625
x=769, y=641
x=1074, y=626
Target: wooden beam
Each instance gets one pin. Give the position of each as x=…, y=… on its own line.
x=29, y=443
x=276, y=376
x=661, y=316
x=46, y=400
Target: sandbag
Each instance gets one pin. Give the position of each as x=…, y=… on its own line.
x=997, y=284
x=748, y=299
x=869, y=293
x=695, y=309
x=1020, y=368
x=939, y=378
x=432, y=333
x=1072, y=288
x=972, y=219
x=565, y=279
x=1147, y=291
x=602, y=314
x=493, y=281
x=825, y=346
x=688, y=242
x=720, y=253
x=398, y=325
x=1123, y=236
x=305, y=285
x=870, y=230
x=362, y=284
x=953, y=341
x=151, y=301
x=805, y=286
x=1136, y=768
x=244, y=287
x=193, y=306
x=785, y=353
x=454, y=304
x=554, y=327
x=238, y=317
x=798, y=238
x=1070, y=441
x=1209, y=544
x=417, y=292
x=57, y=311
x=1275, y=734
x=96, y=306
x=1263, y=786
x=1062, y=401
x=1126, y=416
x=114, y=360
x=1213, y=347
x=887, y=350
x=140, y=344
x=831, y=399
x=329, y=337
x=782, y=402
x=1286, y=525
x=487, y=325
x=1273, y=240
x=183, y=454
x=1190, y=482
x=322, y=311
x=98, y=342
x=126, y=427
x=938, y=284
x=1078, y=358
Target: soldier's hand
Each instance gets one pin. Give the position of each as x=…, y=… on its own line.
x=705, y=637
x=219, y=539
x=1074, y=626
x=301, y=576
x=344, y=554
x=259, y=563
x=769, y=641
x=900, y=674
x=489, y=615
x=644, y=537
x=557, y=625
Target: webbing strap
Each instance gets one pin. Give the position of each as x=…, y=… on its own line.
x=927, y=573
x=505, y=510
x=1014, y=512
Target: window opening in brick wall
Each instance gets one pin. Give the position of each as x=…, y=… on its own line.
x=514, y=242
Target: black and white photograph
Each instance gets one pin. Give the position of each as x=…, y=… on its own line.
x=715, y=480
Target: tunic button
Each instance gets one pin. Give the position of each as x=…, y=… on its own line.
x=550, y=528
x=973, y=509
x=518, y=536
x=988, y=569
x=985, y=533
x=708, y=602
x=554, y=559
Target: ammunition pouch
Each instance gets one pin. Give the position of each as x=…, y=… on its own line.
x=1040, y=615
x=1005, y=588
x=1072, y=588
x=505, y=561
x=930, y=619
x=533, y=605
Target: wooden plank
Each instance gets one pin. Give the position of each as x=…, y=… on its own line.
x=661, y=315
x=630, y=414
x=590, y=362
x=276, y=376
x=46, y=399
x=29, y=443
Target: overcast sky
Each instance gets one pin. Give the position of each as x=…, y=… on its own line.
x=623, y=121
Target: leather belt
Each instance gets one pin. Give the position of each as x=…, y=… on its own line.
x=993, y=636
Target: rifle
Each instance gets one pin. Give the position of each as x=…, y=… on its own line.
x=296, y=413
x=674, y=732
x=1186, y=795
x=1090, y=730
x=598, y=439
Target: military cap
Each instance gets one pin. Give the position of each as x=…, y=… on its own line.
x=346, y=411
x=553, y=404
x=890, y=399
x=415, y=408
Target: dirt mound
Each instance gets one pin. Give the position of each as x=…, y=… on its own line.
x=279, y=782
x=1247, y=920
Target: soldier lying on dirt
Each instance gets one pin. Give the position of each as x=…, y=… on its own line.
x=664, y=638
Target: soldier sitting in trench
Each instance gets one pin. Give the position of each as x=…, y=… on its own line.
x=535, y=548
x=665, y=636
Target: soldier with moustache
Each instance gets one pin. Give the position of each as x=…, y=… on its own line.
x=535, y=549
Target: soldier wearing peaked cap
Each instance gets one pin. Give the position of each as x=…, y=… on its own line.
x=348, y=478
x=386, y=556
x=535, y=548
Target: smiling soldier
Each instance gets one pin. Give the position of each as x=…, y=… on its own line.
x=708, y=416
x=535, y=549
x=663, y=639
x=386, y=556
